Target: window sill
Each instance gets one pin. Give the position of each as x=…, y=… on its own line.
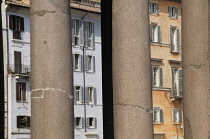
x=22, y=101
x=17, y=40
x=89, y=71
x=175, y=52
x=173, y=18
x=157, y=123
x=79, y=103
x=154, y=14
x=177, y=123
x=76, y=70
x=91, y=127
x=78, y=127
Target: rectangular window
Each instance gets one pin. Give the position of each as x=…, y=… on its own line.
x=153, y=8
x=78, y=95
x=90, y=63
x=77, y=32
x=23, y=121
x=21, y=92
x=90, y=95
x=79, y=122
x=91, y=122
x=16, y=23
x=173, y=12
x=17, y=61
x=157, y=115
x=177, y=82
x=77, y=62
x=89, y=35
x=155, y=33
x=174, y=39
x=157, y=77
x=177, y=114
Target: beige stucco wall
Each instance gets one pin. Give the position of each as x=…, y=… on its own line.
x=162, y=98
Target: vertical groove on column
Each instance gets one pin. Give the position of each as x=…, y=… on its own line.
x=131, y=70
x=51, y=76
x=195, y=38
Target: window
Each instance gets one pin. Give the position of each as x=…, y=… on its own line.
x=21, y=92
x=91, y=122
x=155, y=33
x=18, y=65
x=177, y=82
x=157, y=115
x=78, y=95
x=78, y=122
x=174, y=39
x=177, y=114
x=89, y=35
x=23, y=121
x=16, y=23
x=173, y=12
x=77, y=62
x=90, y=63
x=90, y=95
x=157, y=77
x=153, y=8
x=77, y=32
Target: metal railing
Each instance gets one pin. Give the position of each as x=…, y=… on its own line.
x=92, y=3
x=19, y=68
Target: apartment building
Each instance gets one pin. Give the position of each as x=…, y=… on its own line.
x=165, y=38
x=86, y=46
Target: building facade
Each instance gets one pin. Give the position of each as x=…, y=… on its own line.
x=86, y=42
x=166, y=50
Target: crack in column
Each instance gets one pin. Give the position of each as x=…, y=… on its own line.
x=136, y=106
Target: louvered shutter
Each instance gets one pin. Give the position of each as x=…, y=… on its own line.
x=83, y=122
x=150, y=7
x=174, y=115
x=180, y=83
x=178, y=40
x=21, y=24
x=93, y=37
x=170, y=11
x=152, y=77
x=95, y=95
x=73, y=59
x=157, y=8
x=81, y=62
x=161, y=115
x=177, y=14
x=81, y=33
x=28, y=122
x=95, y=121
x=18, y=91
x=180, y=116
x=161, y=77
x=75, y=121
x=87, y=122
x=75, y=95
x=87, y=95
x=73, y=29
x=86, y=63
x=82, y=94
x=23, y=91
x=85, y=34
x=94, y=69
x=173, y=76
x=171, y=39
x=159, y=35
x=11, y=22
x=151, y=32
x=18, y=121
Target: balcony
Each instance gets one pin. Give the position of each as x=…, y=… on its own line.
x=175, y=95
x=19, y=69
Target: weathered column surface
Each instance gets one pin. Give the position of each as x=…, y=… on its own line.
x=195, y=38
x=51, y=70
x=131, y=70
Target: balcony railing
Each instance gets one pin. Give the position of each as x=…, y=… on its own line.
x=175, y=94
x=19, y=68
x=92, y=3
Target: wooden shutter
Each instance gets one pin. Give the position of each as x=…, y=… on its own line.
x=180, y=83
x=85, y=33
x=21, y=24
x=178, y=40
x=75, y=121
x=18, y=66
x=23, y=91
x=87, y=94
x=157, y=8
x=150, y=7
x=152, y=77
x=18, y=92
x=11, y=22
x=92, y=36
x=18, y=121
x=94, y=69
x=174, y=115
x=170, y=11
x=87, y=122
x=180, y=116
x=28, y=125
x=82, y=94
x=86, y=63
x=171, y=39
x=177, y=13
x=75, y=95
x=159, y=35
x=73, y=59
x=81, y=62
x=151, y=32
x=173, y=76
x=161, y=115
x=161, y=77
x=95, y=95
x=81, y=33
x=73, y=29
x=83, y=122
x=95, y=122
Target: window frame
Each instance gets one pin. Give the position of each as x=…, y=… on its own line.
x=154, y=8
x=92, y=63
x=16, y=24
x=159, y=115
x=93, y=95
x=79, y=62
x=179, y=116
x=79, y=96
x=155, y=33
x=94, y=122
x=20, y=92
x=177, y=81
x=27, y=122
x=159, y=76
x=174, y=39
x=81, y=122
x=173, y=12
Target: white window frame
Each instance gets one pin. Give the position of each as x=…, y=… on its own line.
x=90, y=95
x=174, y=39
x=155, y=33
x=28, y=125
x=79, y=98
x=157, y=76
x=173, y=12
x=90, y=63
x=89, y=35
x=79, y=65
x=176, y=83
x=81, y=122
x=153, y=8
x=177, y=117
x=77, y=30
x=94, y=122
x=21, y=92
x=159, y=115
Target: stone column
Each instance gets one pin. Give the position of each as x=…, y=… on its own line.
x=51, y=70
x=195, y=42
x=131, y=70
